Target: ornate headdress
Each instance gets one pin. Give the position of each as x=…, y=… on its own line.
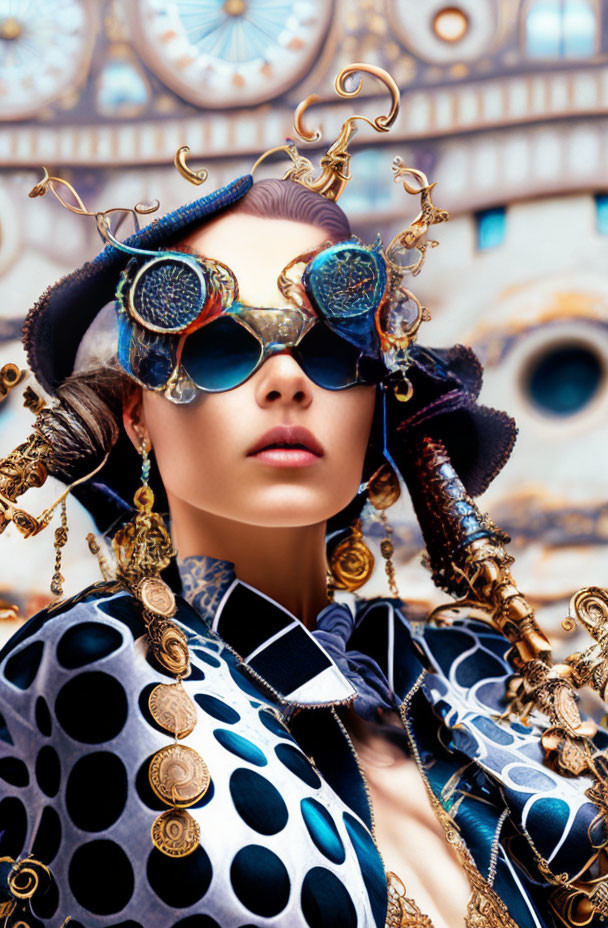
x=359, y=292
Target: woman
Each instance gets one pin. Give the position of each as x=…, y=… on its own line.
x=201, y=760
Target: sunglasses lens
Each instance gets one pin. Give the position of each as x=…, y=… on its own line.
x=221, y=355
x=329, y=361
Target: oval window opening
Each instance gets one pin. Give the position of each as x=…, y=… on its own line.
x=564, y=379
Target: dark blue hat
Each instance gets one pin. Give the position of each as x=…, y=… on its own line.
x=54, y=327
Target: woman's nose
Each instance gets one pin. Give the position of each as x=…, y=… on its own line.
x=281, y=380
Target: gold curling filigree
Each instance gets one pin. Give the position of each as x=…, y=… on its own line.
x=169, y=645
x=26, y=877
x=589, y=606
x=412, y=238
x=335, y=163
x=102, y=217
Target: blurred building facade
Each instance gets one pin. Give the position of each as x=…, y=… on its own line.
x=504, y=105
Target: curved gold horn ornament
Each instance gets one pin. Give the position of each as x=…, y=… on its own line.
x=180, y=161
x=335, y=163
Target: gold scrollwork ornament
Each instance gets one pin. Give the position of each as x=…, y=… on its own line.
x=169, y=645
x=402, y=911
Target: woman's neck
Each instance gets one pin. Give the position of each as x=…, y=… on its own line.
x=287, y=564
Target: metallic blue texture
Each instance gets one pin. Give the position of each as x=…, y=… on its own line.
x=346, y=284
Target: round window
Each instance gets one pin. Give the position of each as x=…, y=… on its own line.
x=563, y=379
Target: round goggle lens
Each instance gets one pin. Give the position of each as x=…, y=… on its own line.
x=327, y=359
x=221, y=355
x=167, y=294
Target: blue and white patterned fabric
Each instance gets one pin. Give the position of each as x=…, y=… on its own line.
x=286, y=828
x=278, y=844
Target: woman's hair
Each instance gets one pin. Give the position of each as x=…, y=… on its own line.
x=85, y=423
x=286, y=199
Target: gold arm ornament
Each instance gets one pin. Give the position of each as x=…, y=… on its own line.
x=481, y=570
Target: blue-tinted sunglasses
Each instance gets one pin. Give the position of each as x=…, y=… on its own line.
x=182, y=327
x=226, y=351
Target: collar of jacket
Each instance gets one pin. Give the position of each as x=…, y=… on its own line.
x=270, y=640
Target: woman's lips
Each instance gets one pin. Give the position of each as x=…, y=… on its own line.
x=287, y=446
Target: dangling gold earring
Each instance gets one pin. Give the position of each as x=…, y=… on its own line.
x=384, y=490
x=143, y=547
x=351, y=562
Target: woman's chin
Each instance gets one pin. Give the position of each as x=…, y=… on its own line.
x=276, y=507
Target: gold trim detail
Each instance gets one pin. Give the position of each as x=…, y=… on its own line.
x=485, y=908
x=402, y=910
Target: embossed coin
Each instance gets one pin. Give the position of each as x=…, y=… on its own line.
x=172, y=709
x=157, y=596
x=178, y=775
x=175, y=833
x=170, y=646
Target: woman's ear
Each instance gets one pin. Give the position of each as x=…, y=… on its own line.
x=133, y=417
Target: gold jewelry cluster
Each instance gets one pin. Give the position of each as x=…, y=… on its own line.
x=177, y=774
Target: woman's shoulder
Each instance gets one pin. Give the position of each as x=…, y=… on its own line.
x=103, y=603
x=405, y=643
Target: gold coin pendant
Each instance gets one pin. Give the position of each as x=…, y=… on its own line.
x=172, y=709
x=175, y=833
x=157, y=597
x=178, y=775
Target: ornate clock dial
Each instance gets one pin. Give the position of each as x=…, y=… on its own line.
x=445, y=33
x=225, y=53
x=45, y=50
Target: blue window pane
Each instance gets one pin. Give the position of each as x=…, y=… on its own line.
x=543, y=29
x=601, y=213
x=578, y=29
x=564, y=380
x=491, y=227
x=368, y=190
x=561, y=29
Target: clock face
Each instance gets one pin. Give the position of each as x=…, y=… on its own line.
x=45, y=49
x=442, y=32
x=225, y=53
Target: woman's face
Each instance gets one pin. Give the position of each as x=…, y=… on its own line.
x=209, y=452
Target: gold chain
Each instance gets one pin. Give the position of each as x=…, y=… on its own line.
x=485, y=908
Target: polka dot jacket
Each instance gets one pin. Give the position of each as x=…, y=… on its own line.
x=285, y=825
